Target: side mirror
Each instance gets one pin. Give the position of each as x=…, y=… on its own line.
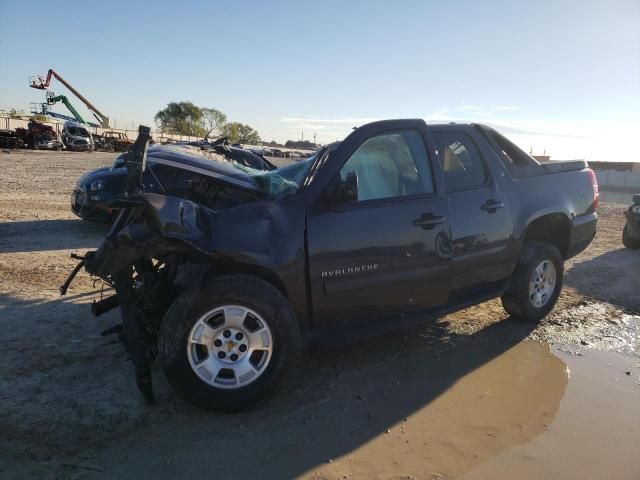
x=347, y=190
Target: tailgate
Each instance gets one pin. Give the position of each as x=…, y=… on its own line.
x=556, y=167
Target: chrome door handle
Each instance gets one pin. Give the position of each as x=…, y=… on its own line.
x=492, y=205
x=427, y=221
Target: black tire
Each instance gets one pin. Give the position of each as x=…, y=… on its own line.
x=234, y=289
x=516, y=301
x=628, y=240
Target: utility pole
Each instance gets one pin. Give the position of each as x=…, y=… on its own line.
x=314, y=138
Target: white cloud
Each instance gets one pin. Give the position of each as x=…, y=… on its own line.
x=563, y=140
x=352, y=121
x=327, y=129
x=506, y=108
x=470, y=108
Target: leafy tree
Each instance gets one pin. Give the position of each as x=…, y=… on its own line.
x=185, y=118
x=240, y=133
x=213, y=121
x=182, y=118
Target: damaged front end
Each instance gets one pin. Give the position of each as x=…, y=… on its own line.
x=157, y=247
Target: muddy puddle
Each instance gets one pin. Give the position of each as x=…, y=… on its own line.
x=506, y=402
x=479, y=411
x=595, y=433
x=527, y=414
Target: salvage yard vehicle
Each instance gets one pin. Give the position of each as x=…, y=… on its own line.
x=111, y=142
x=76, y=137
x=118, y=140
x=631, y=231
x=10, y=139
x=100, y=144
x=398, y=224
x=170, y=170
x=39, y=136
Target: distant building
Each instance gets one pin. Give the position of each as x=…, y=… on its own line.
x=616, y=166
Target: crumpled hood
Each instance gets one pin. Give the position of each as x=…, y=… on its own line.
x=204, y=162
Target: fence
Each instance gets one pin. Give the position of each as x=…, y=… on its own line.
x=7, y=123
x=617, y=187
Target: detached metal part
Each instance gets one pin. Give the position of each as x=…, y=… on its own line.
x=65, y=286
x=136, y=160
x=120, y=275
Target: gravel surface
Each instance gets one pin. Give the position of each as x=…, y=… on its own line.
x=69, y=407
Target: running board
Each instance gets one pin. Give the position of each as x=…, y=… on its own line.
x=354, y=334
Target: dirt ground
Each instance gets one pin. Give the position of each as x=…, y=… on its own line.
x=473, y=395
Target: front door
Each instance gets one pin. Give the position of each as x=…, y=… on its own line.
x=388, y=252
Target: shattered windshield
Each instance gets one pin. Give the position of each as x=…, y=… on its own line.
x=78, y=131
x=281, y=182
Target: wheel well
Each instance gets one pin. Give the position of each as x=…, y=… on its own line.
x=554, y=229
x=262, y=273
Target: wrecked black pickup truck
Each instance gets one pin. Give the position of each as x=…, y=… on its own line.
x=397, y=224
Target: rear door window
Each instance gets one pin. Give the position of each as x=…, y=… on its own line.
x=460, y=160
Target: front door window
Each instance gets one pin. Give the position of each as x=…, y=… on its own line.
x=390, y=165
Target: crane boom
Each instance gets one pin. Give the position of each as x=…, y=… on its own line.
x=42, y=83
x=52, y=99
x=67, y=103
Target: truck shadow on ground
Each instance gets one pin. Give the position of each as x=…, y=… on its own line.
x=339, y=401
x=41, y=235
x=83, y=401
x=613, y=277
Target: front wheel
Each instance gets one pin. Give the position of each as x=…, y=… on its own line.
x=536, y=283
x=230, y=344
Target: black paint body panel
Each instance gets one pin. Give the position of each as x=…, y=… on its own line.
x=348, y=267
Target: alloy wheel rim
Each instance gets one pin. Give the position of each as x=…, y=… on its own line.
x=542, y=283
x=230, y=347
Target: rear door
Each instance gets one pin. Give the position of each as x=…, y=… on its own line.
x=481, y=229
x=388, y=252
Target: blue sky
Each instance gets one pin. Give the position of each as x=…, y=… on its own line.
x=557, y=76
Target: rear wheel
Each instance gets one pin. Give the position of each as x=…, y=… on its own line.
x=628, y=240
x=536, y=283
x=230, y=344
